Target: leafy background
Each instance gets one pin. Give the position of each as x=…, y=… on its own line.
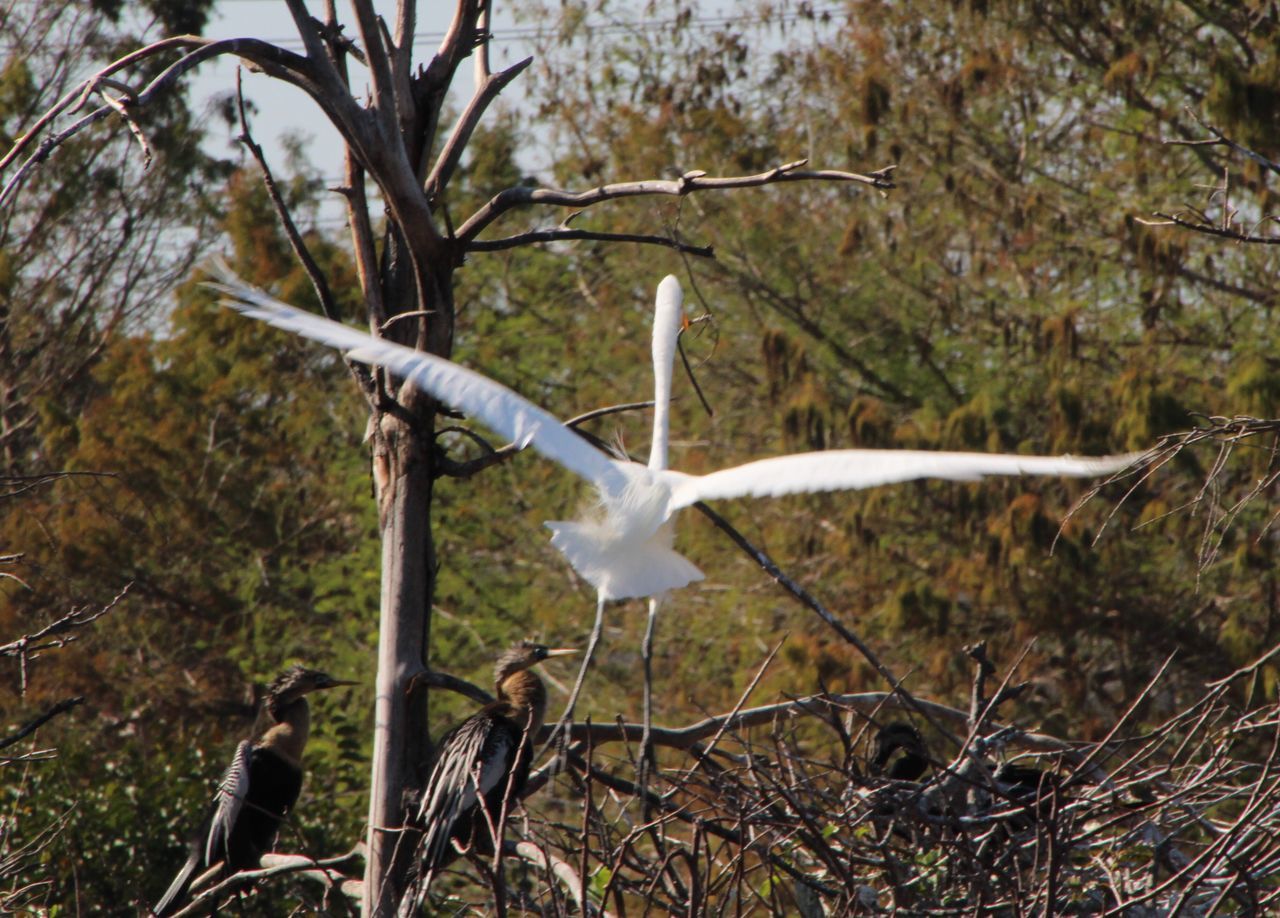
x=1003, y=297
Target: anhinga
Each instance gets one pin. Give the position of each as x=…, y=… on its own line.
x=899, y=736
x=483, y=763
x=259, y=787
x=1031, y=789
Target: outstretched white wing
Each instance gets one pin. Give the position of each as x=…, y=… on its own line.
x=472, y=393
x=844, y=469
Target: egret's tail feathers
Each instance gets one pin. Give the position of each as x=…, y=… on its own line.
x=619, y=569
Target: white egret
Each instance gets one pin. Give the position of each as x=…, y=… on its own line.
x=626, y=550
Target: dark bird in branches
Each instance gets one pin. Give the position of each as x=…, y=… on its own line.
x=482, y=766
x=258, y=789
x=899, y=753
x=1032, y=792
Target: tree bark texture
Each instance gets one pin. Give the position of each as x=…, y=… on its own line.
x=401, y=744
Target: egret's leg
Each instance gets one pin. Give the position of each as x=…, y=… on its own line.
x=582, y=672
x=646, y=739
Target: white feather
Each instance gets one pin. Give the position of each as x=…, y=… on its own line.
x=627, y=551
x=850, y=469
x=490, y=402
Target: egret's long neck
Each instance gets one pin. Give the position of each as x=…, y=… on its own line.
x=667, y=316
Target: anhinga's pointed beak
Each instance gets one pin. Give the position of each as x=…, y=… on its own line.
x=562, y=651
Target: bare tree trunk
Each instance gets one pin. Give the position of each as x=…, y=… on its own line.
x=400, y=736
x=404, y=475
x=394, y=138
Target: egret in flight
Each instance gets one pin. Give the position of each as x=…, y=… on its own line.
x=626, y=550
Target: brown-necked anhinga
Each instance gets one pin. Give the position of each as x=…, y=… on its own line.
x=482, y=764
x=258, y=789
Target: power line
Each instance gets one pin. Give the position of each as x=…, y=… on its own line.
x=616, y=27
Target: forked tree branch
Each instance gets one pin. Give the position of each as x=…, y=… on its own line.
x=77, y=97
x=688, y=183
x=29, y=646
x=688, y=737
x=121, y=105
x=459, y=41
x=15, y=485
x=1221, y=139
x=324, y=871
x=1210, y=228
x=457, y=143
x=286, y=65
x=1227, y=227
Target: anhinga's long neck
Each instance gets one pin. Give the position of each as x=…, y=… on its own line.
x=286, y=730
x=525, y=693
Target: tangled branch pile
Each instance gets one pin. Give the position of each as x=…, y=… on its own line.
x=840, y=807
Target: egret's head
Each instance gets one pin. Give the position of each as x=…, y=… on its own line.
x=668, y=319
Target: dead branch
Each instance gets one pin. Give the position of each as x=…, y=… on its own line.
x=436, y=679
x=688, y=183
x=488, y=87
x=29, y=646
x=688, y=737
x=296, y=242
x=17, y=485
x=121, y=106
x=562, y=234
x=1203, y=225
x=279, y=62
x=1227, y=227
x=1221, y=139
x=324, y=871
x=40, y=720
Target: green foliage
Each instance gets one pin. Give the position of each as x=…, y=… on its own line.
x=1000, y=299
x=232, y=493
